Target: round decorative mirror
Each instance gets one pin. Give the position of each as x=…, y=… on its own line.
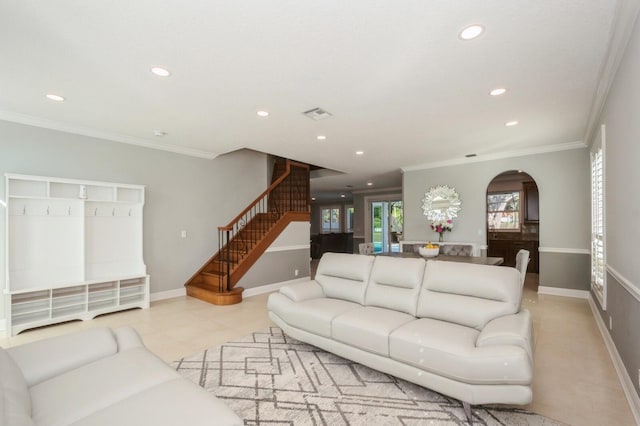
x=441, y=203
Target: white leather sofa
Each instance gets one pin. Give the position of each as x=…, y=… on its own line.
x=100, y=377
x=456, y=328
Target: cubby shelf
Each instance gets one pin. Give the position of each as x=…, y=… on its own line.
x=74, y=250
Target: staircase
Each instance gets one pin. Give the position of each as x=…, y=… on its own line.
x=248, y=235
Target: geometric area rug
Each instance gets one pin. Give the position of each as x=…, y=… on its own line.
x=270, y=378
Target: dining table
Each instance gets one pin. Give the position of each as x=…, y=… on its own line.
x=477, y=260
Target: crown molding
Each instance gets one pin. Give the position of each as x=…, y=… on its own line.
x=622, y=27
x=497, y=156
x=110, y=136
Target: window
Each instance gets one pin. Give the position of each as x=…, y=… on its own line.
x=349, y=217
x=597, y=226
x=330, y=219
x=503, y=211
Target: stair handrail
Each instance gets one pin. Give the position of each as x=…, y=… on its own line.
x=267, y=191
x=260, y=205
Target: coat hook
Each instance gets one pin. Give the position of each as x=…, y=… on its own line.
x=47, y=210
x=129, y=212
x=24, y=210
x=95, y=211
x=69, y=210
x=113, y=212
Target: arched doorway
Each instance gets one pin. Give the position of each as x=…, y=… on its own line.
x=513, y=220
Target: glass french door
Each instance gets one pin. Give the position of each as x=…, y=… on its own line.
x=386, y=225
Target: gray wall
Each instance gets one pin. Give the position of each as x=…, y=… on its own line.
x=182, y=193
x=563, y=181
x=288, y=253
x=622, y=207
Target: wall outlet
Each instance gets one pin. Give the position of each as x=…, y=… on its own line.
x=183, y=234
x=296, y=272
x=610, y=323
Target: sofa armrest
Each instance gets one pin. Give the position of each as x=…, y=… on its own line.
x=47, y=358
x=127, y=338
x=303, y=291
x=513, y=330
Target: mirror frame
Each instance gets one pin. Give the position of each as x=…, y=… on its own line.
x=441, y=192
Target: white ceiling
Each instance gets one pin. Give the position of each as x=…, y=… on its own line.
x=399, y=82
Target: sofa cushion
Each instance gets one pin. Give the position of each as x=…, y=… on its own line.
x=314, y=315
x=43, y=359
x=516, y=330
x=395, y=284
x=344, y=276
x=368, y=328
x=81, y=392
x=176, y=402
x=302, y=291
x=15, y=400
x=450, y=350
x=467, y=294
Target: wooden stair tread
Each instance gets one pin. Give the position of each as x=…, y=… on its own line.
x=211, y=295
x=212, y=273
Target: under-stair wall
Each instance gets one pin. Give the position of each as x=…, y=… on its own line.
x=286, y=255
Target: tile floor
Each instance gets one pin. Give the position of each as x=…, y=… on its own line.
x=574, y=380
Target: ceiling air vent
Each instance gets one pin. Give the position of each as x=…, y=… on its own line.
x=317, y=114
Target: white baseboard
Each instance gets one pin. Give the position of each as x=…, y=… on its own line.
x=268, y=288
x=161, y=295
x=623, y=375
x=566, y=292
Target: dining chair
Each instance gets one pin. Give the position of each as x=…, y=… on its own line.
x=365, y=248
x=522, y=261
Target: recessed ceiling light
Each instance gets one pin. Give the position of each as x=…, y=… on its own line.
x=471, y=32
x=313, y=198
x=161, y=72
x=359, y=152
x=342, y=195
x=511, y=123
x=54, y=97
x=263, y=113
x=321, y=137
x=369, y=183
x=159, y=133
x=499, y=91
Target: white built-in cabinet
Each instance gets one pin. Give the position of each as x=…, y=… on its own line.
x=74, y=250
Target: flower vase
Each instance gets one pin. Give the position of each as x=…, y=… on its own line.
x=441, y=237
